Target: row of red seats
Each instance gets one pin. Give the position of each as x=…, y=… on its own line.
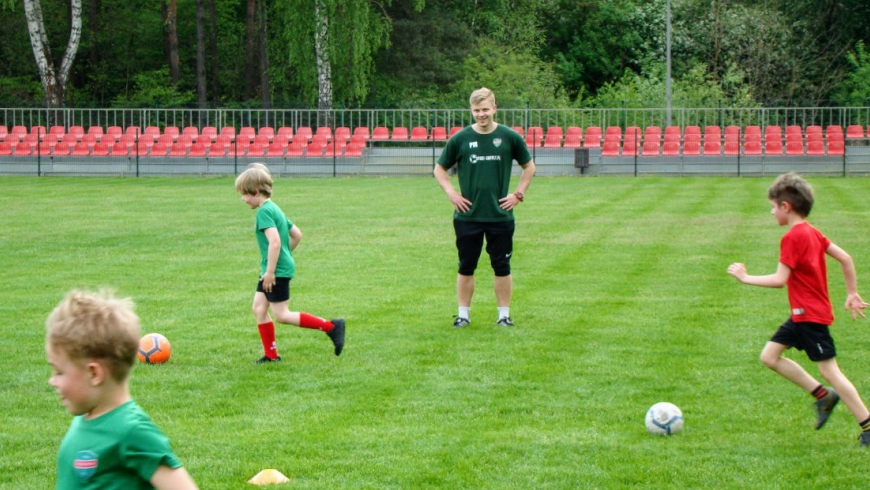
x=730, y=148
x=268, y=133
x=179, y=149
x=536, y=136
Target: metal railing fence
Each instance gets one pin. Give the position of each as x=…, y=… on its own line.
x=409, y=118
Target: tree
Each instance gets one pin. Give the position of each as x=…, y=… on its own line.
x=54, y=79
x=201, y=80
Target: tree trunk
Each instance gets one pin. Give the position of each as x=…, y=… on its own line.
x=201, y=84
x=213, y=51
x=265, y=89
x=251, y=64
x=54, y=81
x=172, y=25
x=324, y=66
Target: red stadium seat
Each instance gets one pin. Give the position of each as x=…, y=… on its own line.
x=304, y=132
x=773, y=147
x=159, y=150
x=673, y=130
x=692, y=146
x=439, y=133
x=380, y=133
x=191, y=132
x=610, y=149
x=152, y=130
x=96, y=131
x=400, y=133
x=855, y=131
x=134, y=131
x=815, y=147
x=671, y=148
x=537, y=134
x=4, y=131
x=693, y=130
x=358, y=139
x=78, y=131
x=120, y=148
x=100, y=150
x=651, y=148
x=61, y=149
x=23, y=149
x=752, y=130
x=630, y=147
x=267, y=131
x=295, y=150
x=814, y=128
x=229, y=131
x=217, y=149
x=362, y=131
x=731, y=148
x=209, y=132
x=353, y=150
x=613, y=130
x=712, y=147
x=532, y=142
x=573, y=141
x=836, y=148
x=58, y=131
x=324, y=131
x=752, y=148
x=794, y=148
x=275, y=150
x=256, y=150
x=20, y=131
x=319, y=139
x=574, y=130
x=454, y=130
x=81, y=149
x=554, y=131
x=314, y=150
x=262, y=139
x=197, y=149
x=286, y=132
x=553, y=141
x=5, y=148
x=247, y=131
x=519, y=130
x=418, y=133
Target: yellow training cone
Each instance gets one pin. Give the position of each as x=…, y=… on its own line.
x=268, y=477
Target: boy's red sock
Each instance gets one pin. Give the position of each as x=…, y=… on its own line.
x=267, y=336
x=317, y=323
x=820, y=392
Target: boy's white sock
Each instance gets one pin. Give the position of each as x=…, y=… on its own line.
x=503, y=311
x=464, y=311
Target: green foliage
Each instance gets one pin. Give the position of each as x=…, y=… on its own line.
x=855, y=89
x=153, y=89
x=14, y=90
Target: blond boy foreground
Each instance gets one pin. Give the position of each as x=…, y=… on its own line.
x=91, y=343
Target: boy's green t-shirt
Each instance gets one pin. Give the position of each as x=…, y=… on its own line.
x=119, y=450
x=485, y=162
x=269, y=215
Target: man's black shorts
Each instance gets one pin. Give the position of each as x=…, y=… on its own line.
x=499, y=245
x=813, y=338
x=280, y=290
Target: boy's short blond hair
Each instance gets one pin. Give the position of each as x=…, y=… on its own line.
x=793, y=189
x=481, y=95
x=255, y=180
x=87, y=325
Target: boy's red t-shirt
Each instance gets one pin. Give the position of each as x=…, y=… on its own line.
x=802, y=249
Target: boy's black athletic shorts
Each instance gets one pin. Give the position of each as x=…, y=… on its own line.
x=280, y=290
x=813, y=338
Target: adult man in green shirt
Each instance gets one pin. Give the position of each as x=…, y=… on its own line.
x=484, y=153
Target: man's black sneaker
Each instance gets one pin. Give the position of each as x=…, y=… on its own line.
x=267, y=359
x=864, y=438
x=337, y=335
x=506, y=321
x=825, y=406
x=461, y=322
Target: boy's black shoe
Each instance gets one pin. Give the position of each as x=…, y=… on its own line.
x=825, y=406
x=864, y=438
x=267, y=359
x=337, y=335
x=461, y=322
x=505, y=321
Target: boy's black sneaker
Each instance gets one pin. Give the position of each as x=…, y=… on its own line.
x=337, y=335
x=265, y=359
x=505, y=321
x=825, y=406
x=864, y=439
x=461, y=322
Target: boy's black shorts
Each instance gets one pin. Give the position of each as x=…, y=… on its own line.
x=499, y=245
x=280, y=290
x=813, y=338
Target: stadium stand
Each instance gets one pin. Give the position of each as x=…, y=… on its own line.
x=773, y=146
x=794, y=147
x=712, y=146
x=380, y=133
x=573, y=141
x=651, y=147
x=314, y=150
x=692, y=146
x=324, y=131
x=439, y=133
x=418, y=133
x=855, y=131
x=400, y=133
x=362, y=131
x=209, y=134
x=610, y=149
x=752, y=147
x=353, y=150
x=836, y=148
x=553, y=141
x=671, y=148
x=120, y=149
x=295, y=150
x=304, y=132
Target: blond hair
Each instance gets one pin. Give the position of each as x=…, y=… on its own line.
x=255, y=180
x=481, y=95
x=793, y=189
x=87, y=325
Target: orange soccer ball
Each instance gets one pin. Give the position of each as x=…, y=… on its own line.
x=154, y=349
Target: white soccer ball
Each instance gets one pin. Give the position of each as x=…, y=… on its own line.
x=664, y=419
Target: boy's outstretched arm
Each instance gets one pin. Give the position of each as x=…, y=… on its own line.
x=854, y=303
x=776, y=280
x=166, y=478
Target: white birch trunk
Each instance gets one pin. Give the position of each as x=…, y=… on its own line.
x=321, y=49
x=54, y=82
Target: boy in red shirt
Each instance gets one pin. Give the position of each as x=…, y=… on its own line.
x=802, y=268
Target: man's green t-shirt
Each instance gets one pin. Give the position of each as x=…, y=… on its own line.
x=119, y=450
x=269, y=215
x=485, y=162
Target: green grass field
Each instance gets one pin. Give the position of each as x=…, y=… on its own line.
x=621, y=300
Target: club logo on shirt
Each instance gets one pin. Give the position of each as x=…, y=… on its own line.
x=497, y=142
x=85, y=464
